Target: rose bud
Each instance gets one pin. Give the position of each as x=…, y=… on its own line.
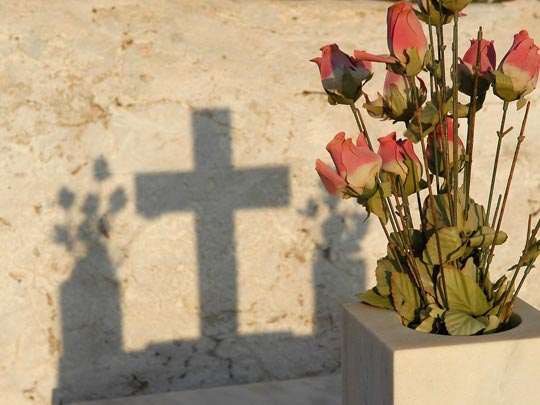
x=455, y=5
x=357, y=168
x=406, y=40
x=517, y=73
x=397, y=102
x=434, y=150
x=431, y=14
x=342, y=76
x=399, y=159
x=467, y=66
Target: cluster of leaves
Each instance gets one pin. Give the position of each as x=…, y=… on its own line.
x=456, y=297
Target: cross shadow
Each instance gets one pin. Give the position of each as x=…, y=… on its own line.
x=94, y=364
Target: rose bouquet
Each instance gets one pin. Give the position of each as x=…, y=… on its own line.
x=436, y=273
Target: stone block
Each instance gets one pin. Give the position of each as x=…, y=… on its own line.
x=385, y=363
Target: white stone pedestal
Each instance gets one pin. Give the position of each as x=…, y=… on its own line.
x=385, y=363
x=306, y=391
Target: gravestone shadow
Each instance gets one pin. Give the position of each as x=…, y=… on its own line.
x=94, y=364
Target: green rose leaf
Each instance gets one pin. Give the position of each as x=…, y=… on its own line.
x=484, y=237
x=426, y=325
x=413, y=183
x=469, y=269
x=405, y=296
x=375, y=205
x=503, y=87
x=460, y=324
x=492, y=324
x=451, y=246
x=375, y=108
x=476, y=217
x=372, y=298
x=464, y=294
x=442, y=212
x=426, y=276
x=383, y=273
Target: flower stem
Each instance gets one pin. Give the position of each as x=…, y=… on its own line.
x=405, y=218
x=455, y=117
x=430, y=192
x=385, y=201
x=500, y=135
x=520, y=139
x=471, y=124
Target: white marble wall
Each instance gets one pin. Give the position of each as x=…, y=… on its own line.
x=161, y=223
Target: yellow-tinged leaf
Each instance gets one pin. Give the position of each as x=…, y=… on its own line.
x=485, y=236
x=436, y=311
x=442, y=212
x=463, y=293
x=383, y=273
x=426, y=325
x=461, y=324
x=469, y=269
x=503, y=87
x=426, y=276
x=451, y=246
x=372, y=298
x=476, y=217
x=404, y=296
x=492, y=324
x=375, y=205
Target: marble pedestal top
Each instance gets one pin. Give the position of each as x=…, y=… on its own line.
x=307, y=391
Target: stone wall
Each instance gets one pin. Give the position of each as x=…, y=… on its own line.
x=161, y=223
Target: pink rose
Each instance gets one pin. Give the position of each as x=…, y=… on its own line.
x=356, y=165
x=466, y=67
x=517, y=73
x=487, y=56
x=393, y=159
x=398, y=157
x=434, y=149
x=397, y=102
x=342, y=75
x=406, y=41
x=405, y=37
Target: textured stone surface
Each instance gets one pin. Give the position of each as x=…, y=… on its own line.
x=162, y=226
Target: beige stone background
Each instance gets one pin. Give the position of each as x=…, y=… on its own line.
x=161, y=223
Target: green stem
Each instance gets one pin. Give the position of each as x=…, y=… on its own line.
x=520, y=139
x=407, y=237
x=430, y=190
x=386, y=201
x=500, y=135
x=455, y=85
x=471, y=125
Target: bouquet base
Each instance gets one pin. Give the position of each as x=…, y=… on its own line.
x=385, y=363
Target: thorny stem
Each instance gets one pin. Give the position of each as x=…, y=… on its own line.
x=455, y=115
x=525, y=274
x=442, y=98
x=386, y=201
x=520, y=264
x=520, y=139
x=497, y=207
x=500, y=135
x=407, y=238
x=471, y=124
x=430, y=190
x=361, y=125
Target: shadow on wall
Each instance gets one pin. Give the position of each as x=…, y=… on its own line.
x=93, y=363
